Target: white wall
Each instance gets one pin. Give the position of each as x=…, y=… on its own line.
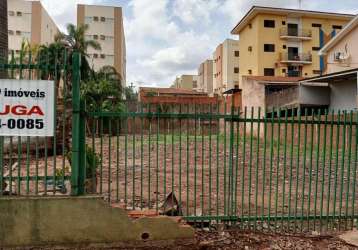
x=344, y=95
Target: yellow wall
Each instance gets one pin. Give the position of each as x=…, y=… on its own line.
x=258, y=35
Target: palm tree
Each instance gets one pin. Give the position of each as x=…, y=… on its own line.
x=75, y=41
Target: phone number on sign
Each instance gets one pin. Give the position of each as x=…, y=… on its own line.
x=22, y=124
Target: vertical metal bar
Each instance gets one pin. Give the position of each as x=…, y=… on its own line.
x=2, y=165
x=202, y=163
x=257, y=166
x=172, y=153
x=157, y=163
x=187, y=164
x=341, y=189
x=28, y=138
x=271, y=166
x=291, y=162
x=304, y=169
x=323, y=166
x=317, y=165
x=180, y=155
x=101, y=166
x=217, y=161
x=133, y=161
x=278, y=164
x=264, y=167
x=250, y=161
x=298, y=163
x=348, y=167
x=243, y=169
x=210, y=157
x=149, y=156
x=64, y=113
x=117, y=160
x=195, y=156
x=126, y=156
x=310, y=172
x=237, y=156
x=284, y=168
x=355, y=171
x=224, y=162
x=109, y=158
x=54, y=149
x=336, y=166
x=330, y=167
x=141, y=155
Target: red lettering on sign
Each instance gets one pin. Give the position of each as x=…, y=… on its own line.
x=21, y=110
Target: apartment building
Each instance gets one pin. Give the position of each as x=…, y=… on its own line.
x=29, y=21
x=3, y=28
x=226, y=66
x=205, y=77
x=186, y=82
x=105, y=26
x=285, y=42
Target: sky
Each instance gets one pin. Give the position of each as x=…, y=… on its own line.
x=167, y=38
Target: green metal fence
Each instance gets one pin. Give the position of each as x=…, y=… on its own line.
x=286, y=170
x=40, y=165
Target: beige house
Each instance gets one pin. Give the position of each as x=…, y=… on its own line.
x=341, y=52
x=105, y=26
x=205, y=77
x=226, y=66
x=186, y=82
x=29, y=21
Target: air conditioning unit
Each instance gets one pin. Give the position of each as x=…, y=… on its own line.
x=337, y=56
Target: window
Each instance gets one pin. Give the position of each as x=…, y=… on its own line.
x=19, y=13
x=283, y=22
x=17, y=51
x=316, y=72
x=316, y=48
x=337, y=27
x=103, y=19
x=250, y=72
x=316, y=25
x=249, y=48
x=284, y=46
x=10, y=32
x=18, y=32
x=236, y=70
x=269, y=47
x=11, y=13
x=269, y=23
x=95, y=18
x=103, y=56
x=95, y=55
x=95, y=37
x=250, y=25
x=269, y=72
x=237, y=53
x=284, y=71
x=103, y=37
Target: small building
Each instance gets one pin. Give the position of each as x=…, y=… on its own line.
x=188, y=82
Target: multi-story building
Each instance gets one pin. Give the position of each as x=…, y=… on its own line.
x=3, y=29
x=205, y=77
x=226, y=66
x=285, y=42
x=186, y=82
x=105, y=26
x=29, y=21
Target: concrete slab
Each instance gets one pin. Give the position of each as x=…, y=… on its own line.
x=33, y=221
x=351, y=237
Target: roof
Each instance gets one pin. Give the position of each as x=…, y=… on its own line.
x=255, y=10
x=345, y=31
x=333, y=76
x=275, y=79
x=171, y=91
x=232, y=91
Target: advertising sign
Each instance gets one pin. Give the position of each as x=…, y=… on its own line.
x=26, y=108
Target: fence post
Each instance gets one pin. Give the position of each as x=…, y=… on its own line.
x=78, y=137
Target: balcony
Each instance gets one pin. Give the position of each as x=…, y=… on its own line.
x=297, y=59
x=295, y=34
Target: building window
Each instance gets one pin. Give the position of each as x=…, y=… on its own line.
x=284, y=71
x=11, y=13
x=316, y=72
x=103, y=19
x=269, y=72
x=19, y=13
x=17, y=51
x=249, y=48
x=103, y=56
x=18, y=33
x=103, y=37
x=236, y=70
x=283, y=22
x=95, y=55
x=237, y=53
x=316, y=48
x=337, y=27
x=316, y=25
x=284, y=46
x=269, y=47
x=250, y=25
x=250, y=72
x=10, y=32
x=95, y=18
x=269, y=23
x=95, y=37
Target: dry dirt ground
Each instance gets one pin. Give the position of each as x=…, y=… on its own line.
x=234, y=239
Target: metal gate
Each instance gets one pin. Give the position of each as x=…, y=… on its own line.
x=286, y=170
